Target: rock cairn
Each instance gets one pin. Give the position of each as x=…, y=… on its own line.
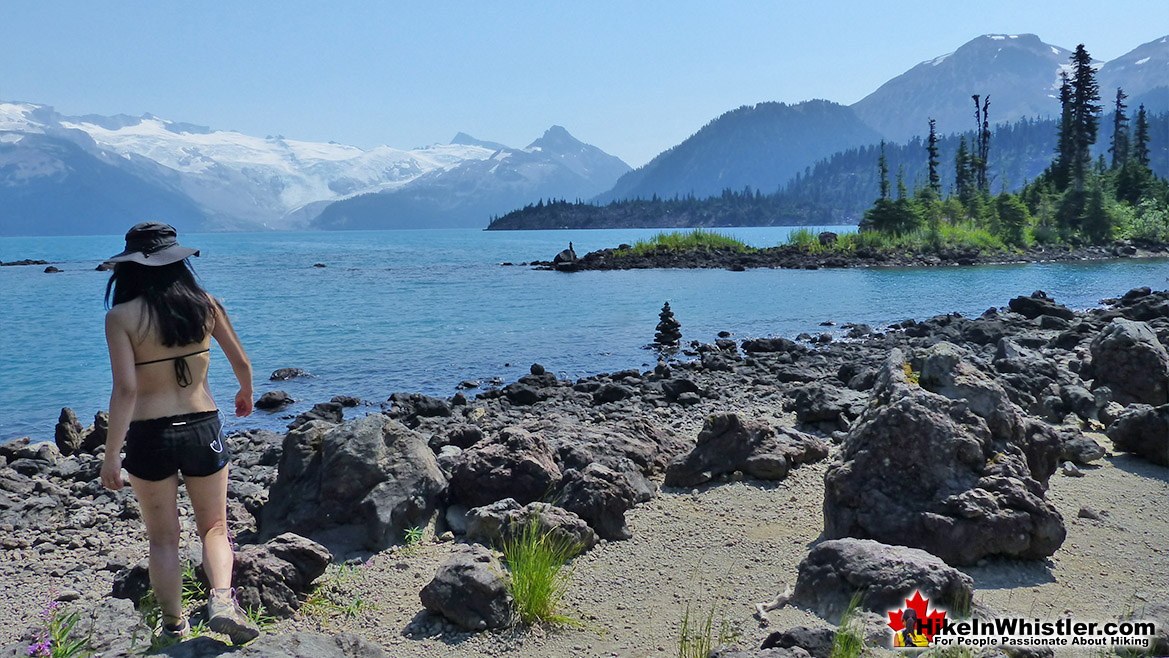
x=669, y=329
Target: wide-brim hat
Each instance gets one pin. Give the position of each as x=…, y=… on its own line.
x=152, y=243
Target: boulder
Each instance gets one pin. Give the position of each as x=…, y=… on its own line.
x=410, y=407
x=729, y=443
x=272, y=400
x=1128, y=358
x=504, y=520
x=820, y=403
x=284, y=374
x=298, y=644
x=923, y=470
x=600, y=496
x=469, y=589
x=68, y=432
x=1039, y=304
x=521, y=394
x=611, y=392
x=358, y=485
x=329, y=412
x=816, y=641
x=836, y=570
x=94, y=436
x=1143, y=430
x=633, y=442
x=514, y=464
x=769, y=345
x=776, y=652
x=277, y=574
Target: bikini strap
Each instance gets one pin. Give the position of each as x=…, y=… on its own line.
x=182, y=370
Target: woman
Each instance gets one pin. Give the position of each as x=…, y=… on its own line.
x=159, y=332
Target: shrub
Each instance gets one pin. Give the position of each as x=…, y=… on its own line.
x=697, y=637
x=683, y=241
x=849, y=641
x=540, y=571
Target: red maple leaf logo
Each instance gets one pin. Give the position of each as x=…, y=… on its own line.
x=929, y=624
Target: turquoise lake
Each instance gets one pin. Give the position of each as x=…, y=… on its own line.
x=421, y=311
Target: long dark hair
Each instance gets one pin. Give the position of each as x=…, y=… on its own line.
x=172, y=296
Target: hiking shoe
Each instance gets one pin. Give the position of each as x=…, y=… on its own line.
x=176, y=634
x=225, y=616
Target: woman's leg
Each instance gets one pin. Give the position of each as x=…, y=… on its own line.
x=209, y=498
x=159, y=507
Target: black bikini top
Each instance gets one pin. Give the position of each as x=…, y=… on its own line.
x=182, y=371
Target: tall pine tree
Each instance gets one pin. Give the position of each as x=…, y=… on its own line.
x=935, y=181
x=1085, y=115
x=1141, y=139
x=1119, y=148
x=1064, y=150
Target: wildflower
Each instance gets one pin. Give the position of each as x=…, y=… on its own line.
x=40, y=649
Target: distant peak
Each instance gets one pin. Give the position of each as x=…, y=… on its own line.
x=556, y=138
x=463, y=139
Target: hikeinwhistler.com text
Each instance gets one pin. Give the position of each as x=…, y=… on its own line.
x=1019, y=632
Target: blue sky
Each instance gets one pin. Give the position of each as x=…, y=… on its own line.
x=633, y=78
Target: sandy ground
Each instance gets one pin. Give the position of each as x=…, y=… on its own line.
x=726, y=547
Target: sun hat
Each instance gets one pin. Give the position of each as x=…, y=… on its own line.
x=152, y=243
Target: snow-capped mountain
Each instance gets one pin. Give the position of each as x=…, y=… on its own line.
x=556, y=165
x=1143, y=73
x=51, y=168
x=1019, y=72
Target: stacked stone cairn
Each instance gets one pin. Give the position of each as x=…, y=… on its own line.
x=668, y=330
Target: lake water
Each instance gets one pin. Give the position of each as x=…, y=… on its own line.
x=421, y=311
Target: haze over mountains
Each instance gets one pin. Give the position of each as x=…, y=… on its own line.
x=96, y=175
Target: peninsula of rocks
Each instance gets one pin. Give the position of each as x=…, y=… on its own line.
x=1015, y=463
x=791, y=256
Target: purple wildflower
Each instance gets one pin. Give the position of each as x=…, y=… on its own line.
x=40, y=649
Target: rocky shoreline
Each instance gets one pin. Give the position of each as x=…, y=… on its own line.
x=796, y=257
x=1013, y=460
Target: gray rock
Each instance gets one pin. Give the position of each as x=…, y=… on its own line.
x=737, y=652
x=817, y=402
x=611, y=392
x=600, y=496
x=835, y=570
x=94, y=436
x=469, y=589
x=503, y=520
x=273, y=400
x=284, y=374
x=68, y=432
x=1143, y=430
x=1039, y=304
x=522, y=394
x=330, y=412
x=816, y=641
x=514, y=464
x=1077, y=447
x=1128, y=358
x=923, y=470
x=728, y=443
x=277, y=574
x=358, y=485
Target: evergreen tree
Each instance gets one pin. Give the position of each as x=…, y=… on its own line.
x=1064, y=149
x=902, y=192
x=883, y=167
x=935, y=181
x=1085, y=115
x=963, y=185
x=1013, y=220
x=1141, y=150
x=1119, y=148
x=982, y=143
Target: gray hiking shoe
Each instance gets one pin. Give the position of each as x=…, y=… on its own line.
x=225, y=616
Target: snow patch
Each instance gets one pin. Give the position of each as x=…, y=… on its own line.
x=1013, y=36
x=1055, y=50
x=996, y=37
x=939, y=60
x=1142, y=61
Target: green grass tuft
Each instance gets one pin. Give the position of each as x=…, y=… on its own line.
x=686, y=241
x=335, y=596
x=849, y=641
x=540, y=571
x=697, y=636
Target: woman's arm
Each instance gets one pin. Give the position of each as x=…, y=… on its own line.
x=225, y=335
x=122, y=399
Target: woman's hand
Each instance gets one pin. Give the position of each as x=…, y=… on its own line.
x=111, y=472
x=243, y=403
